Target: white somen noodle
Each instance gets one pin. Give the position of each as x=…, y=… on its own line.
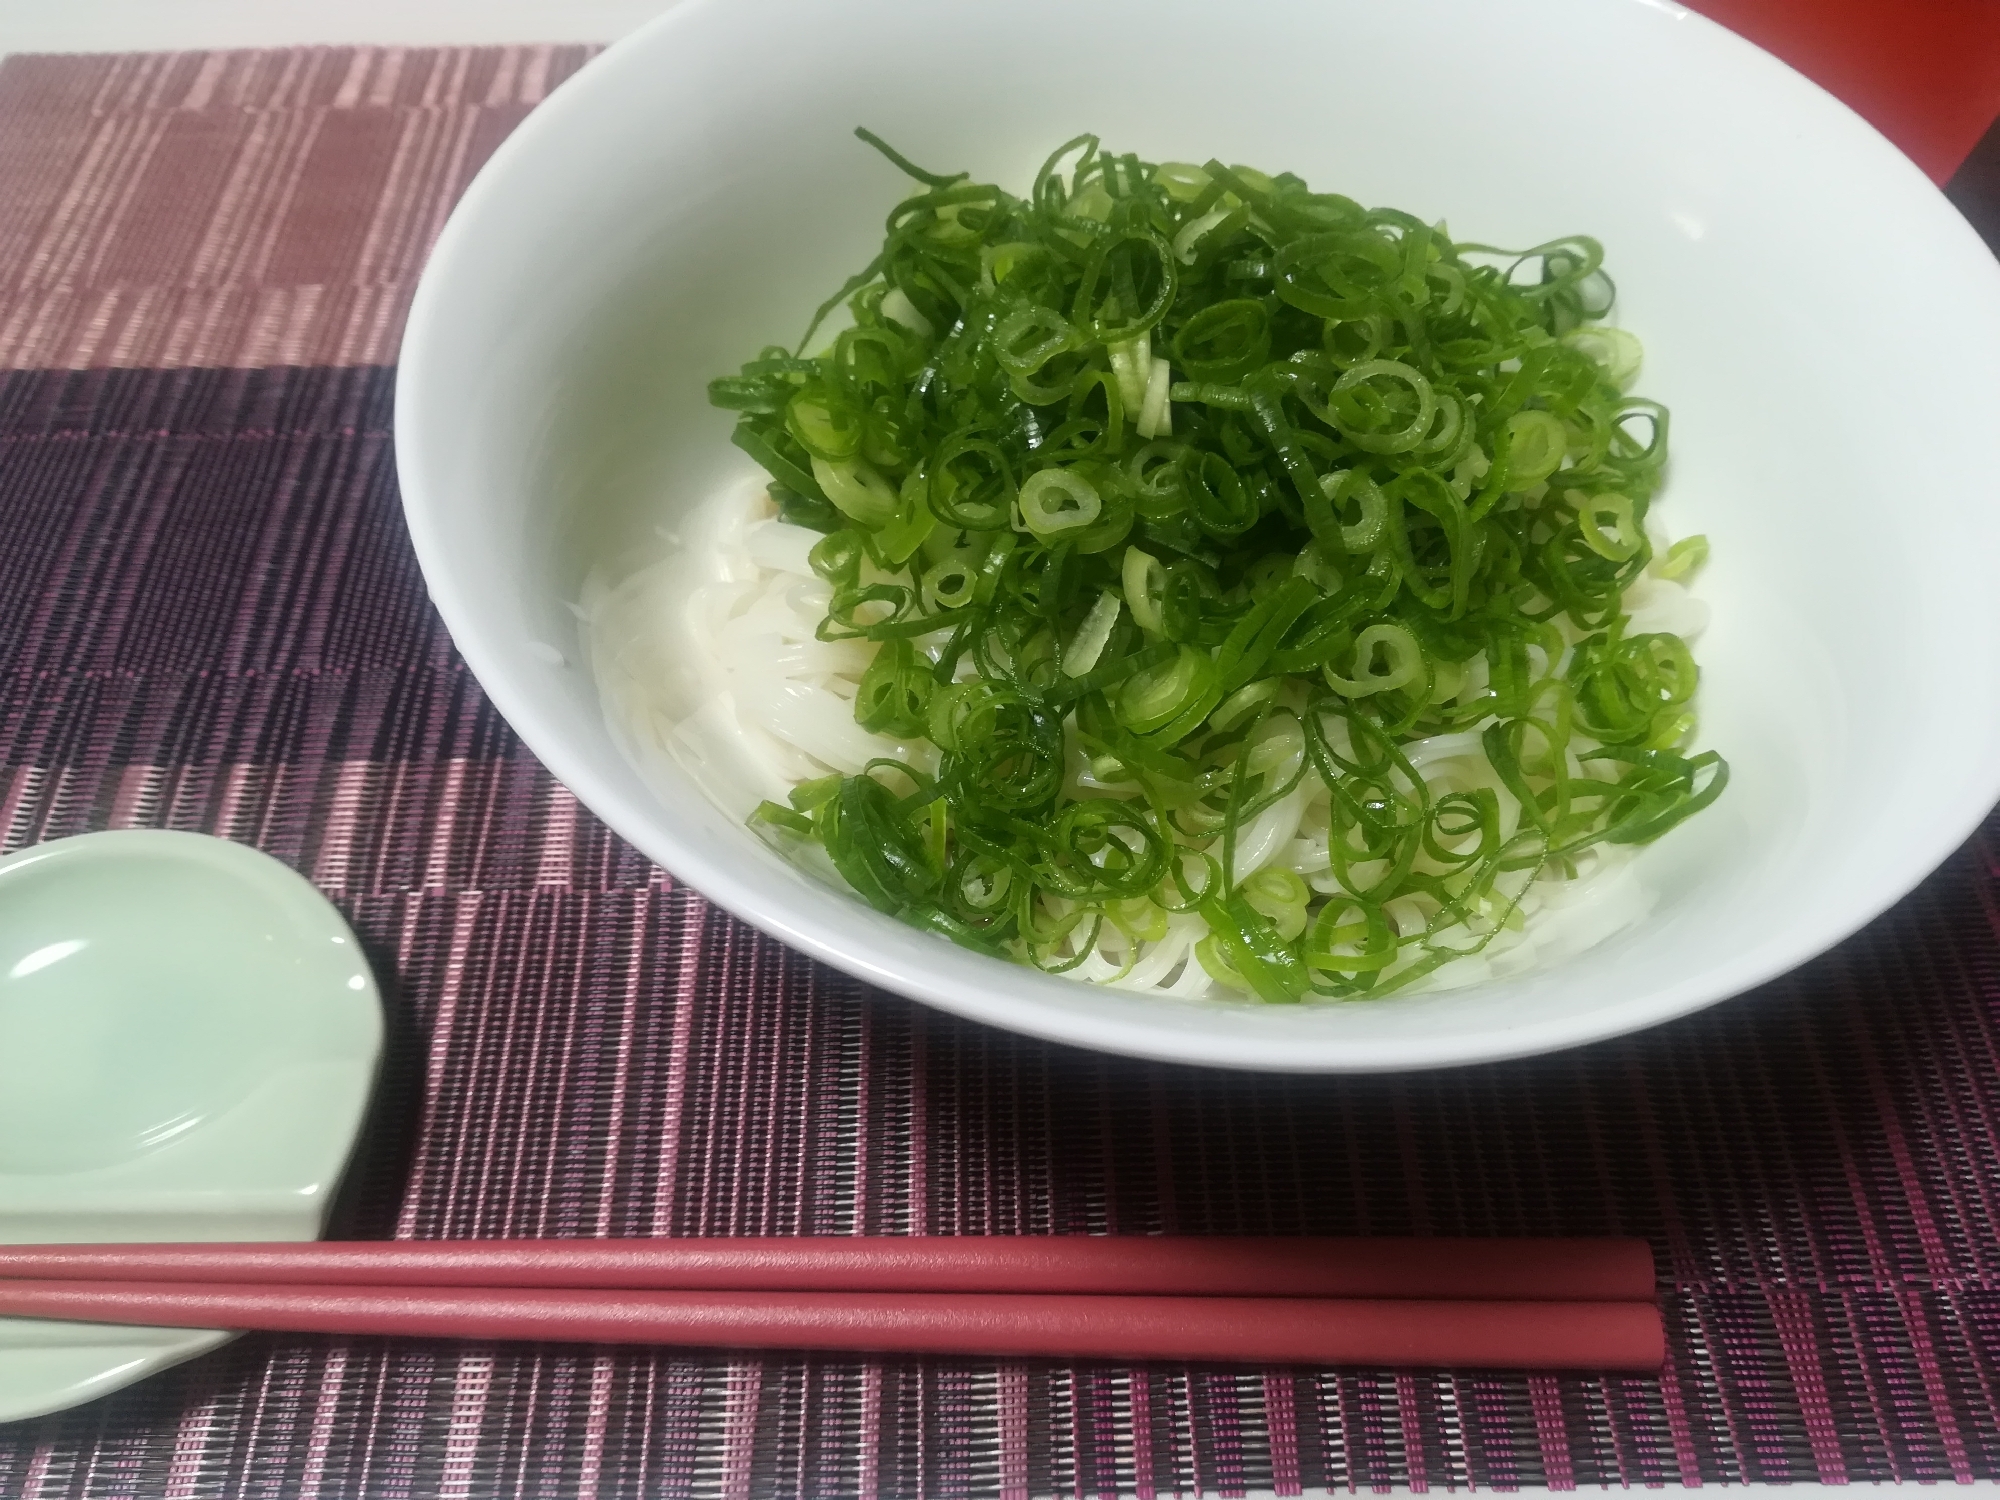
x=710, y=660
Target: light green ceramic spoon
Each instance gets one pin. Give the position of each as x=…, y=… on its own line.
x=188, y=1037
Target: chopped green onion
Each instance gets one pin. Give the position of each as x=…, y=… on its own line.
x=1684, y=557
x=1058, y=500
x=1156, y=412
x=1155, y=698
x=1088, y=643
x=1402, y=657
x=1536, y=443
x=1618, y=540
x=856, y=490
x=1617, y=351
x=1144, y=579
x=1132, y=366
x=1370, y=412
x=1401, y=501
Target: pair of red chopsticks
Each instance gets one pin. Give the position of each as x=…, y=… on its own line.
x=1523, y=1304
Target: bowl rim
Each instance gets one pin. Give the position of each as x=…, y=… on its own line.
x=1916, y=856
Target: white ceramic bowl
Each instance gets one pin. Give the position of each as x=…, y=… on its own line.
x=1823, y=325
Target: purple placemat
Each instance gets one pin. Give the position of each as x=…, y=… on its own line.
x=210, y=619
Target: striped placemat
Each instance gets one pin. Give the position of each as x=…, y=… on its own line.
x=210, y=619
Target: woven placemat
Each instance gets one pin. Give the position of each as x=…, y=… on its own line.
x=210, y=619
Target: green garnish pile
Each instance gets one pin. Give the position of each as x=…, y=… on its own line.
x=1203, y=487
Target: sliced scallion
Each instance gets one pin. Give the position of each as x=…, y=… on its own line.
x=1400, y=501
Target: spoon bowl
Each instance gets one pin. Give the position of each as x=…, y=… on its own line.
x=188, y=1037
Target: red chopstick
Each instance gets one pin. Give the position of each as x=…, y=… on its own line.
x=1259, y=1330
x=1491, y=1270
